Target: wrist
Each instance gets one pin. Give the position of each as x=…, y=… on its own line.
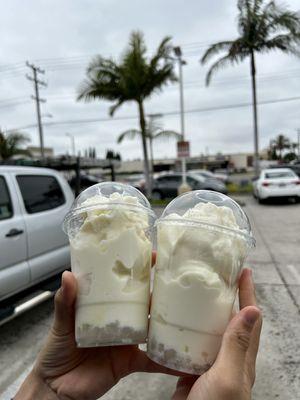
x=34, y=387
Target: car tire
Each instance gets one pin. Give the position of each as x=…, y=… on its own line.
x=156, y=195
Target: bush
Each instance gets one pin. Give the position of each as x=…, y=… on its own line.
x=239, y=188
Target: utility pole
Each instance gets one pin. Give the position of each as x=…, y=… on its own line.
x=181, y=62
x=298, y=132
x=37, y=82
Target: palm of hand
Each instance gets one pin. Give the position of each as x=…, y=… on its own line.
x=83, y=373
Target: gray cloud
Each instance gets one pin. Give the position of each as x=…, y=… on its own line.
x=47, y=31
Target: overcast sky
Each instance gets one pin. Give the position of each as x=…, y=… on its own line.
x=62, y=36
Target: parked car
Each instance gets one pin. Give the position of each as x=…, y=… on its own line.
x=166, y=186
x=33, y=247
x=294, y=167
x=276, y=182
x=86, y=181
x=209, y=174
x=135, y=180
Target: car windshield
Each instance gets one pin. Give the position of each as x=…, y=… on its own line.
x=203, y=173
x=198, y=176
x=279, y=174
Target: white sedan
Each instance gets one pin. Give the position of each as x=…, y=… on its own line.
x=277, y=182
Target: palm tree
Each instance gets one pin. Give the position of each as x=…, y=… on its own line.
x=281, y=143
x=135, y=78
x=11, y=144
x=153, y=132
x=263, y=27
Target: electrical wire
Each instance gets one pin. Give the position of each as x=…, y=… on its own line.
x=167, y=113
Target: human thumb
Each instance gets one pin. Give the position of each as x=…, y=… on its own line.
x=65, y=305
x=236, y=341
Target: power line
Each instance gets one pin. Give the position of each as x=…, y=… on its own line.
x=194, y=84
x=37, y=82
x=167, y=113
x=64, y=60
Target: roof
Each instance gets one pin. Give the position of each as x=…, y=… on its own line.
x=20, y=169
x=277, y=170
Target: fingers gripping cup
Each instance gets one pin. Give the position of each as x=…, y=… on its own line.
x=109, y=229
x=203, y=238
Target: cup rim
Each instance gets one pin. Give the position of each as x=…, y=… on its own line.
x=75, y=212
x=189, y=222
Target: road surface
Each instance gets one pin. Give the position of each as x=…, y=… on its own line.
x=276, y=265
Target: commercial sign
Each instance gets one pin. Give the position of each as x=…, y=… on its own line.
x=183, y=149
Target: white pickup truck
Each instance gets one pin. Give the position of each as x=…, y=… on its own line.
x=33, y=247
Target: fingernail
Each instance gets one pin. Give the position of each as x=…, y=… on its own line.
x=251, y=316
x=63, y=282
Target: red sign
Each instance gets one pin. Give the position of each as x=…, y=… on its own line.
x=183, y=149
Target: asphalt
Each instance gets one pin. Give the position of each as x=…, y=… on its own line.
x=276, y=266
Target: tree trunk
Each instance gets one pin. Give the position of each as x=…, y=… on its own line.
x=145, y=150
x=254, y=99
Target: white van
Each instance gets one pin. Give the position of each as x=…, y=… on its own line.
x=33, y=247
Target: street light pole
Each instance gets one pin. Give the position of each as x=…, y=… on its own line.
x=72, y=142
x=181, y=62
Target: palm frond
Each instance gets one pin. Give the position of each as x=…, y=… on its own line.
x=219, y=64
x=129, y=134
x=162, y=53
x=286, y=43
x=257, y=6
x=10, y=144
x=167, y=134
x=158, y=79
x=137, y=43
x=214, y=49
x=280, y=18
x=114, y=107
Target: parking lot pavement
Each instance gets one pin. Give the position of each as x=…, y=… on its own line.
x=276, y=266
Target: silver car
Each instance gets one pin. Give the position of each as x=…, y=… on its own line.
x=33, y=247
x=166, y=185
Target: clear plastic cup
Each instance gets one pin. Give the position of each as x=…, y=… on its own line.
x=203, y=238
x=109, y=229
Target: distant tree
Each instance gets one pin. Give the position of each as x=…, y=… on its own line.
x=11, y=144
x=290, y=156
x=272, y=155
x=281, y=143
x=110, y=155
x=153, y=132
x=135, y=78
x=263, y=26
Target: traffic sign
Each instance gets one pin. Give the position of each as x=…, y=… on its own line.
x=183, y=149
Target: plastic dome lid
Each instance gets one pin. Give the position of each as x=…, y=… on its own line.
x=181, y=204
x=109, y=195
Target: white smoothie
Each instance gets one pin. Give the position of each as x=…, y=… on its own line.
x=110, y=256
x=194, y=286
